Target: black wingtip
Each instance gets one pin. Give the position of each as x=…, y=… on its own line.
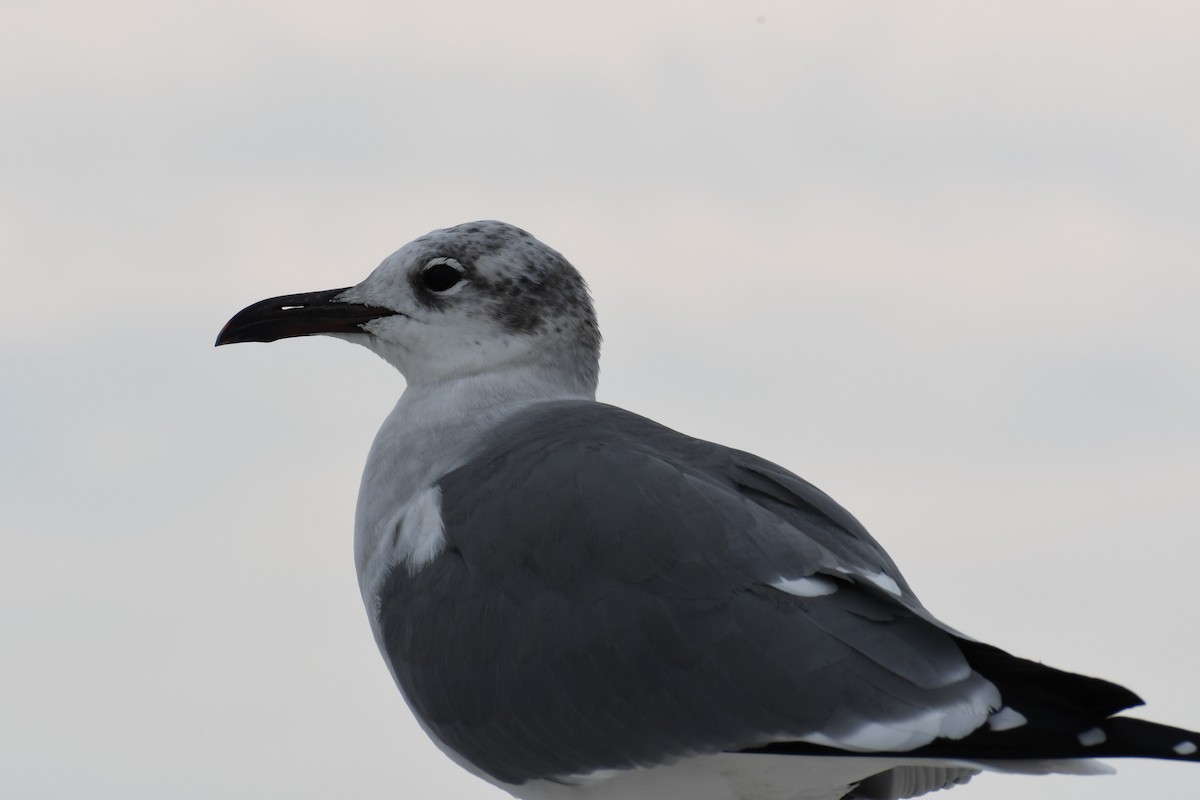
x=1128, y=737
x=1020, y=679
x=1053, y=715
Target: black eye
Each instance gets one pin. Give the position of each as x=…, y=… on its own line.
x=442, y=275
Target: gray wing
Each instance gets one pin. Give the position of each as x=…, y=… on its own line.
x=613, y=593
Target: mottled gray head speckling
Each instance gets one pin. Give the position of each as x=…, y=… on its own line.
x=528, y=282
x=515, y=290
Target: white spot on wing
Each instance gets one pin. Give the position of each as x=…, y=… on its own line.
x=412, y=536
x=812, y=586
x=885, y=582
x=1092, y=737
x=422, y=532
x=1185, y=748
x=1006, y=719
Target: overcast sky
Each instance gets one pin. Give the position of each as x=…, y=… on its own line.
x=942, y=259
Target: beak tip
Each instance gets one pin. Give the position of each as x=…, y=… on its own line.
x=227, y=335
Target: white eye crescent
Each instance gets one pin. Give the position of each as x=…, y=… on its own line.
x=443, y=276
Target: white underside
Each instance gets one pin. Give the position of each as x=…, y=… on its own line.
x=726, y=776
x=742, y=776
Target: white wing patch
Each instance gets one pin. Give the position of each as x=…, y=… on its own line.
x=812, y=586
x=819, y=585
x=413, y=536
x=885, y=582
x=1185, y=748
x=875, y=737
x=1006, y=719
x=950, y=722
x=422, y=534
x=1092, y=737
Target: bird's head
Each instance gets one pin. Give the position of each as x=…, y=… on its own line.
x=475, y=298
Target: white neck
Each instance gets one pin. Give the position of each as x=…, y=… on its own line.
x=435, y=424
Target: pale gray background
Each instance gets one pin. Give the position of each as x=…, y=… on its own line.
x=941, y=258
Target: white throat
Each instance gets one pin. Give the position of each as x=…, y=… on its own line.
x=433, y=429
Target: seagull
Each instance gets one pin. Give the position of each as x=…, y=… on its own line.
x=578, y=602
